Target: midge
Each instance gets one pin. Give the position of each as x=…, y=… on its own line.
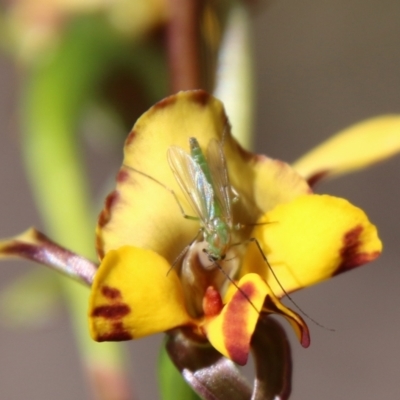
x=205, y=182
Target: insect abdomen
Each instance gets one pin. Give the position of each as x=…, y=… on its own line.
x=198, y=156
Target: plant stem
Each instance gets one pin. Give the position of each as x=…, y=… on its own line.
x=183, y=44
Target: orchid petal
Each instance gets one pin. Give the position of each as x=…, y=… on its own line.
x=309, y=240
x=274, y=182
x=231, y=330
x=356, y=147
x=143, y=212
x=134, y=294
x=35, y=246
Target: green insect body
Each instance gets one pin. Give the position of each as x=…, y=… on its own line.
x=205, y=181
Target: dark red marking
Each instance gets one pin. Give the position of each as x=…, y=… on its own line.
x=41, y=252
x=212, y=302
x=237, y=343
x=304, y=333
x=247, y=289
x=109, y=203
x=41, y=237
x=350, y=252
x=117, y=334
x=104, y=218
x=271, y=306
x=164, y=103
x=35, y=251
x=248, y=156
x=114, y=311
x=111, y=293
x=28, y=251
x=201, y=97
x=131, y=137
x=318, y=176
x=100, y=247
x=122, y=175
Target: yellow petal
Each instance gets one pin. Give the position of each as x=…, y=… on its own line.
x=309, y=240
x=356, y=147
x=231, y=330
x=143, y=213
x=133, y=295
x=270, y=182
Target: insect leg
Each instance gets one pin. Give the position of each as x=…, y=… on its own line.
x=184, y=251
x=254, y=240
x=190, y=217
x=234, y=284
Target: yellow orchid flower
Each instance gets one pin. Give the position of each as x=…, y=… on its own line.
x=138, y=290
x=356, y=147
x=155, y=274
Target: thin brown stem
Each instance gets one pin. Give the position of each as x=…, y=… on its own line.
x=183, y=44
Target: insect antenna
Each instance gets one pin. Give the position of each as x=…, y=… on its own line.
x=183, y=252
x=215, y=262
x=254, y=240
x=181, y=209
x=283, y=289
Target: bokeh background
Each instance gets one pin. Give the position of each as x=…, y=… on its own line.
x=320, y=66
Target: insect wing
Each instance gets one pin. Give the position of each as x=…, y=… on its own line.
x=220, y=178
x=193, y=182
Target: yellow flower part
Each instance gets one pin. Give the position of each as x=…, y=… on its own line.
x=356, y=147
x=134, y=295
x=309, y=240
x=143, y=213
x=156, y=273
x=230, y=331
x=129, y=303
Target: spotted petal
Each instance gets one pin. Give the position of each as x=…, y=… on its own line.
x=356, y=147
x=230, y=331
x=309, y=240
x=133, y=295
x=141, y=212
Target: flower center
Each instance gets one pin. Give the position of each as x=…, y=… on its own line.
x=199, y=272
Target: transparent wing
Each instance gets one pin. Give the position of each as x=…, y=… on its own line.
x=193, y=182
x=220, y=178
